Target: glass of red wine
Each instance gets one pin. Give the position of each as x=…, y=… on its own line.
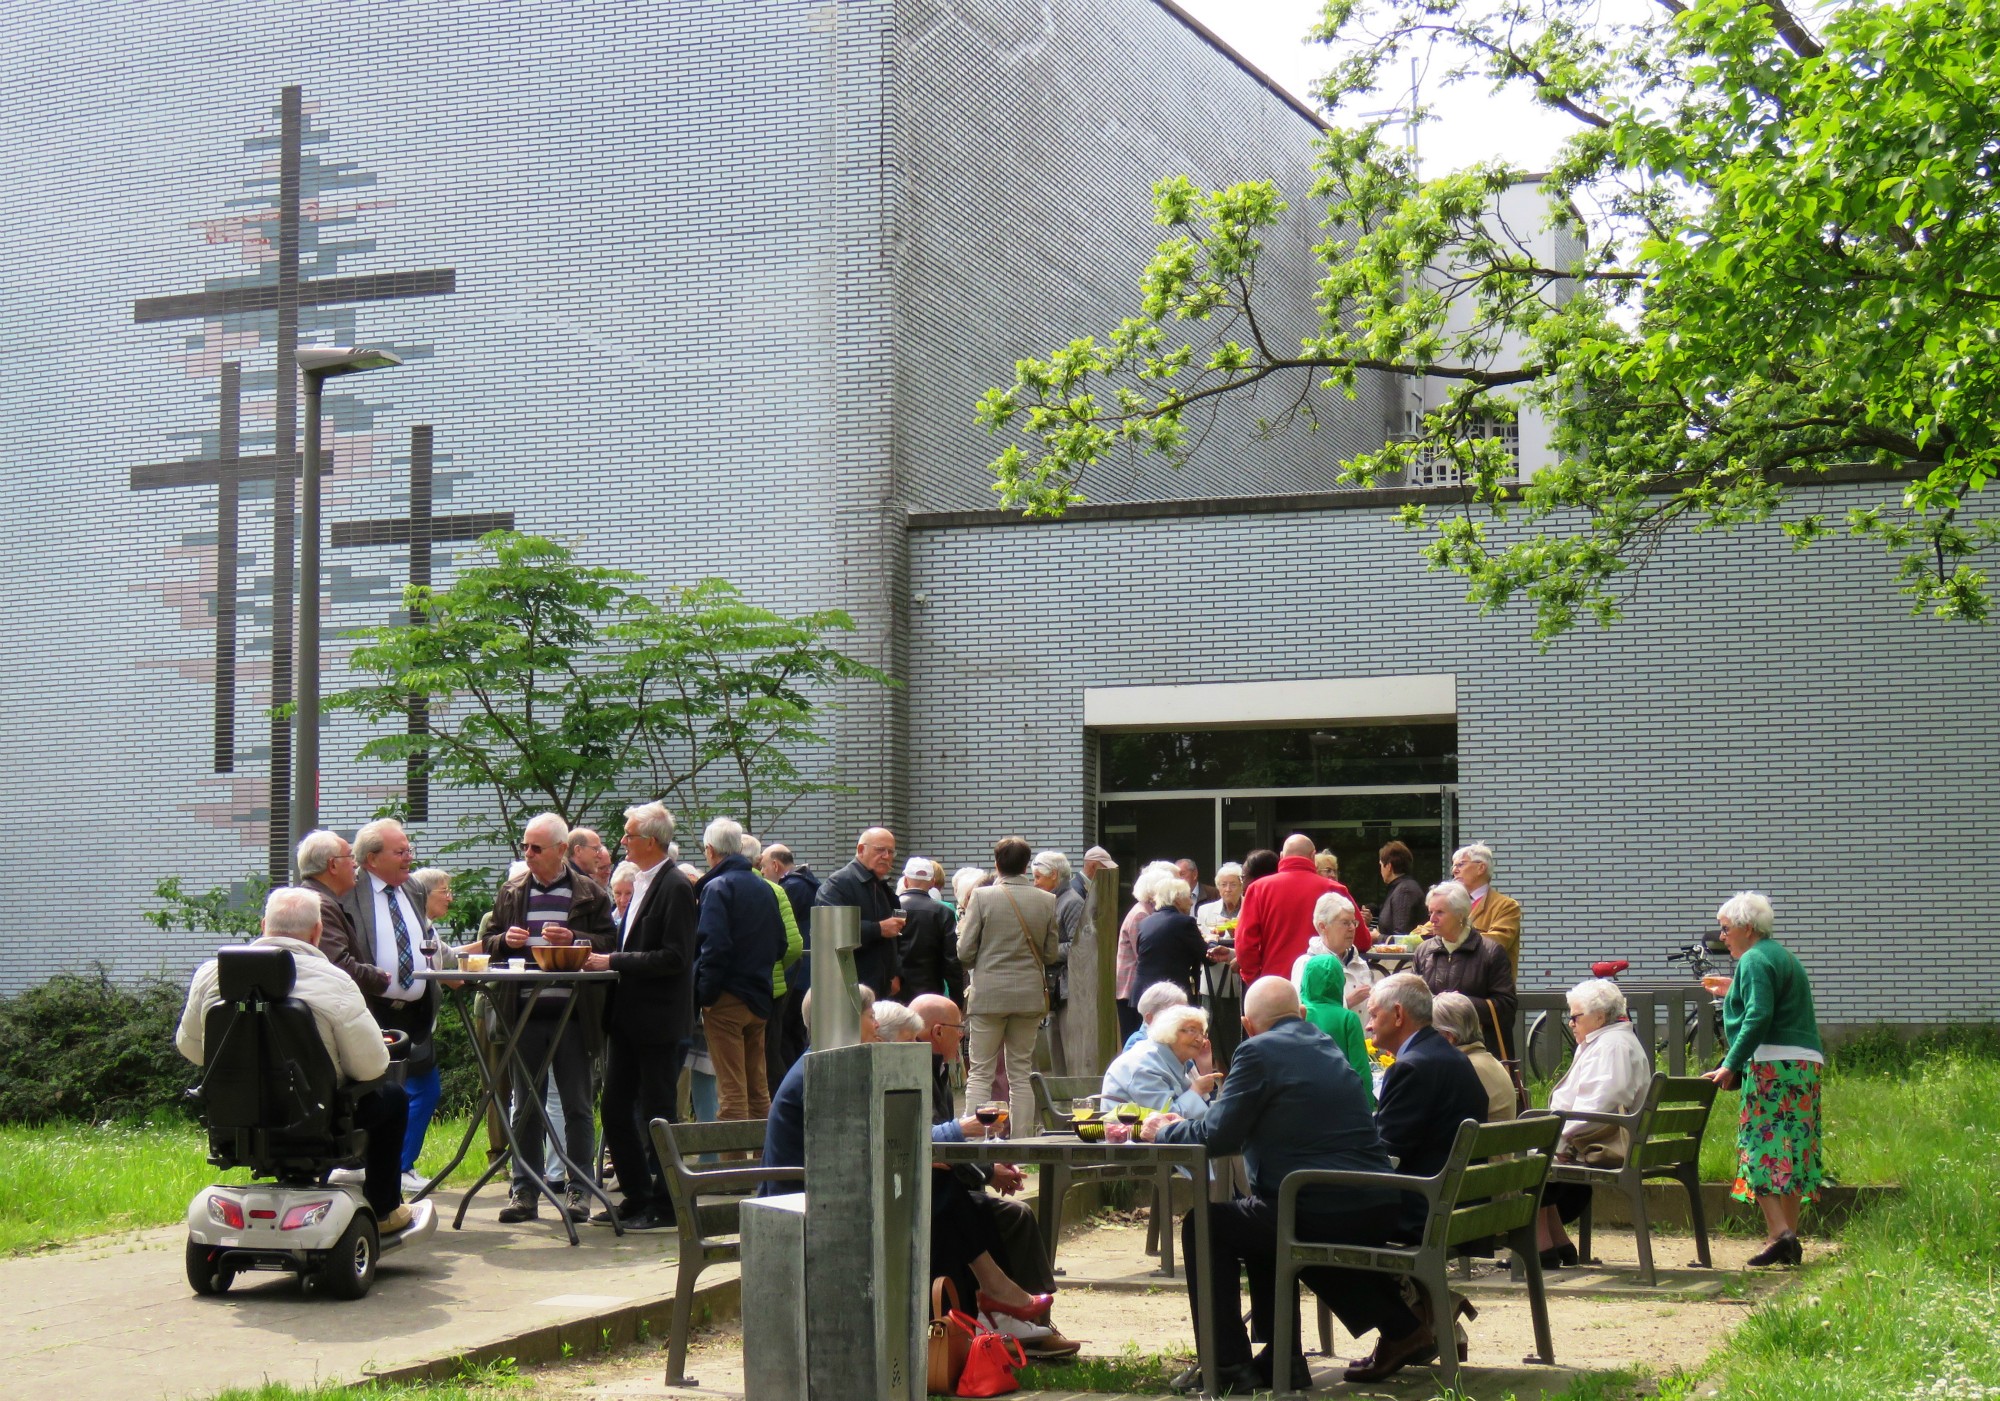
x=989, y=1114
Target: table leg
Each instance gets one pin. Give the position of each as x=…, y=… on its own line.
x=1163, y=1188
x=458, y=1001
x=530, y=1084
x=1197, y=1268
x=1055, y=1188
x=579, y=1174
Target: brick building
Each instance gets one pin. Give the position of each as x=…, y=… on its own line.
x=710, y=287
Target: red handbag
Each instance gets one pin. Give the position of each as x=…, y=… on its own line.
x=989, y=1367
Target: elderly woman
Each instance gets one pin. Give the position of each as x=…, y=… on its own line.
x=1457, y=1021
x=1160, y=1073
x=1609, y=1076
x=1335, y=922
x=1128, y=984
x=1229, y=887
x=1323, y=988
x=1171, y=949
x=895, y=1022
x=1457, y=958
x=1153, y=1001
x=1774, y=1054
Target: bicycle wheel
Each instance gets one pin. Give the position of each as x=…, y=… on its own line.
x=1550, y=1046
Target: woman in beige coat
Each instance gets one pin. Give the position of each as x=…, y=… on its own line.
x=1007, y=936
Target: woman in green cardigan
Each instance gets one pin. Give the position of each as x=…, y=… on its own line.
x=1774, y=1053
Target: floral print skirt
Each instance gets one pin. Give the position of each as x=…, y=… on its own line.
x=1777, y=1138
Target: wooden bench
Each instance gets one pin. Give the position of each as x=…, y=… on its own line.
x=1666, y=1131
x=1490, y=1186
x=707, y=1198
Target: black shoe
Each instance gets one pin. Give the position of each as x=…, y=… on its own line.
x=1241, y=1377
x=521, y=1206
x=1266, y=1367
x=1785, y=1250
x=648, y=1221
x=1570, y=1257
x=1552, y=1258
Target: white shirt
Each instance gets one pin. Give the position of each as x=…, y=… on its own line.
x=385, y=937
x=1609, y=1076
x=1480, y=894
x=340, y=1015
x=641, y=883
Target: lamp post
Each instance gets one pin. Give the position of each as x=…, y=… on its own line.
x=317, y=364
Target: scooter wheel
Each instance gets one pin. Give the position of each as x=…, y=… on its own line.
x=349, y=1268
x=205, y=1276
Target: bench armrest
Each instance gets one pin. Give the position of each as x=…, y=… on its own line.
x=1295, y=1182
x=1591, y=1116
x=721, y=1181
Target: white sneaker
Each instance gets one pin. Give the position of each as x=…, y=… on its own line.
x=346, y=1177
x=413, y=1182
x=1015, y=1327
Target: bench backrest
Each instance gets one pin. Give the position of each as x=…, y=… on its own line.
x=1492, y=1181
x=1054, y=1092
x=1671, y=1136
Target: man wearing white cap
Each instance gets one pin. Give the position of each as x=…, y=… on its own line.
x=928, y=945
x=1084, y=882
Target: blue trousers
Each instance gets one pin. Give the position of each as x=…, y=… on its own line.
x=423, y=1092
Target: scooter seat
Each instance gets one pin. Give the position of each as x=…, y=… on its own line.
x=1610, y=967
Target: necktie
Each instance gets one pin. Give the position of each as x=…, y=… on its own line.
x=406, y=963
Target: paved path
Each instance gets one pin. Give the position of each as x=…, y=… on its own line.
x=114, y=1320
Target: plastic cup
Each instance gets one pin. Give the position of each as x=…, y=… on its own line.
x=517, y=965
x=476, y=962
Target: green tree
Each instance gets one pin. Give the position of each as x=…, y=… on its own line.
x=726, y=693
x=1788, y=266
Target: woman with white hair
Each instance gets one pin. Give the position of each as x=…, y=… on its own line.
x=1609, y=1076
x=1335, y=923
x=1171, y=949
x=895, y=1022
x=1458, y=958
x=1774, y=1054
x=1453, y=1018
x=1153, y=1001
x=1127, y=974
x=1160, y=1072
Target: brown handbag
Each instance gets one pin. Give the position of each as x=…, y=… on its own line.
x=1599, y=1145
x=950, y=1340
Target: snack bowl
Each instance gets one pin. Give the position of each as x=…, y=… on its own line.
x=1089, y=1130
x=560, y=958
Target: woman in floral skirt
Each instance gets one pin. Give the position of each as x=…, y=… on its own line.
x=1774, y=1054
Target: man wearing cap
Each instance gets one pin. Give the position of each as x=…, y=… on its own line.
x=1084, y=882
x=928, y=945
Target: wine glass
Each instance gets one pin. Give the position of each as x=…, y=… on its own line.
x=988, y=1114
x=1130, y=1114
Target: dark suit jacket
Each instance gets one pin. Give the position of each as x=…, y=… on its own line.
x=336, y=941
x=1291, y=1101
x=1429, y=1091
x=928, y=950
x=1171, y=950
x=652, y=1003
x=417, y=1017
x=875, y=962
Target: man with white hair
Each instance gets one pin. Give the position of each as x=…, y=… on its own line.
x=739, y=939
x=327, y=868
x=1050, y=870
x=1290, y=1102
x=390, y=930
x=1496, y=916
x=553, y=901
x=590, y=856
x=352, y=1038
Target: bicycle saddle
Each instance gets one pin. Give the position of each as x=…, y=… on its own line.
x=1610, y=967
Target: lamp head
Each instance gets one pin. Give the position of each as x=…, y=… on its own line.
x=326, y=361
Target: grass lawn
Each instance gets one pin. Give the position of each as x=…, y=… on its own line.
x=62, y=1182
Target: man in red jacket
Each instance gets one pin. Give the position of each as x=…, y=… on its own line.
x=1276, y=923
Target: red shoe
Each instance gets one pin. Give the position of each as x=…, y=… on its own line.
x=1036, y=1310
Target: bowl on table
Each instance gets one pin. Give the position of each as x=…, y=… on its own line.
x=560, y=958
x=1090, y=1129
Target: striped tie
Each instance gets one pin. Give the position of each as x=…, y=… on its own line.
x=406, y=963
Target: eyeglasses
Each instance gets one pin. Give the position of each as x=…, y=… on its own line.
x=1572, y=1018
x=536, y=848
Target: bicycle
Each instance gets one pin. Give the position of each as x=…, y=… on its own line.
x=1549, y=1043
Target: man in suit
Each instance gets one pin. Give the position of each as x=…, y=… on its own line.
x=927, y=950
x=552, y=900
x=1290, y=1101
x=383, y=950
x=327, y=868
x=1198, y=889
x=864, y=883
x=650, y=1018
x=1429, y=1091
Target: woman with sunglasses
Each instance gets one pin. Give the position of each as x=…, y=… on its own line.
x=1609, y=1076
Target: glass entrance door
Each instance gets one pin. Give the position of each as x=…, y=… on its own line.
x=1164, y=829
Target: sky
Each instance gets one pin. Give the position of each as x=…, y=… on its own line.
x=1470, y=125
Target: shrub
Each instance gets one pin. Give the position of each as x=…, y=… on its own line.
x=81, y=1047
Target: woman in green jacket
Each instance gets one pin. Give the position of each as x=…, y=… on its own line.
x=1773, y=1052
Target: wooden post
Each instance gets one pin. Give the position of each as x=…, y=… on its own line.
x=1090, y=1023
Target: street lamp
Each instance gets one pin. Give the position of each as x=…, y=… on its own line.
x=318, y=364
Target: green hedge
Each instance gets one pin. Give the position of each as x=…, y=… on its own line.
x=81, y=1047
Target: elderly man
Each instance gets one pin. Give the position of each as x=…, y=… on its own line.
x=389, y=931
x=650, y=1015
x=1198, y=890
x=739, y=938
x=352, y=1038
x=1291, y=1101
x=1050, y=870
x=552, y=900
x=800, y=886
x=927, y=951
x=864, y=884
x=328, y=869
x=1496, y=916
x=590, y=856
x=1428, y=1092
x=1276, y=923
x=1455, y=957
